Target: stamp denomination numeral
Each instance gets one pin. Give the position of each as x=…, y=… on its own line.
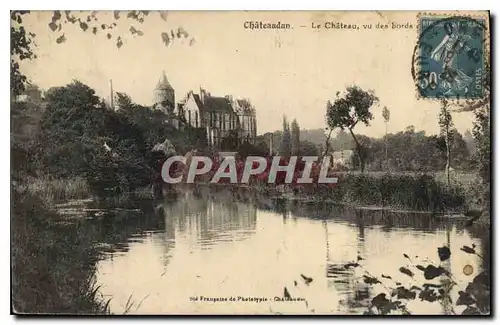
x=428, y=79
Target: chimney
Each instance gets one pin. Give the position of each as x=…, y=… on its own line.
x=202, y=95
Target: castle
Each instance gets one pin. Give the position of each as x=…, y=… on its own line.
x=219, y=117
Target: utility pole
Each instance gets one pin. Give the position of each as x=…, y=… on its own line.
x=271, y=145
x=112, y=94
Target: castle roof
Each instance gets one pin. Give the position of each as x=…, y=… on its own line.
x=163, y=82
x=213, y=104
x=197, y=100
x=217, y=104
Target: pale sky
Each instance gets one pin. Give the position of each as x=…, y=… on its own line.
x=292, y=72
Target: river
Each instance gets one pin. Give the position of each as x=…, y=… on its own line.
x=181, y=256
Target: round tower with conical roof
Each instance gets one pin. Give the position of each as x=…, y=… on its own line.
x=164, y=95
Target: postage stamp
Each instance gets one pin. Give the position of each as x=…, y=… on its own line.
x=450, y=57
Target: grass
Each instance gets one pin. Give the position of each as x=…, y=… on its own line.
x=409, y=191
x=53, y=261
x=58, y=190
x=464, y=178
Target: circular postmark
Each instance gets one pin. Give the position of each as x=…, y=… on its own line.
x=468, y=269
x=450, y=56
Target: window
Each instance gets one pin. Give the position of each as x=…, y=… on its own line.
x=227, y=120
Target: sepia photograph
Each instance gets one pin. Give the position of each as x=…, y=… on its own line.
x=250, y=163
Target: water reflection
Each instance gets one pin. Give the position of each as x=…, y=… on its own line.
x=218, y=247
x=210, y=221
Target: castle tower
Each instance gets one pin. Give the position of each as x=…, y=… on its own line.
x=164, y=95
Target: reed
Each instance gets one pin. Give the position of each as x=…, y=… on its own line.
x=419, y=192
x=57, y=190
x=413, y=191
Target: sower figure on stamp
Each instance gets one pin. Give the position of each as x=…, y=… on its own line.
x=446, y=53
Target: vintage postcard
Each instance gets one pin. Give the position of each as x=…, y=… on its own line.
x=250, y=163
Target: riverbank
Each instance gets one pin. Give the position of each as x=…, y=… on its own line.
x=413, y=192
x=53, y=261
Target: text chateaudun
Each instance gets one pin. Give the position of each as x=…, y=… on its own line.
x=265, y=25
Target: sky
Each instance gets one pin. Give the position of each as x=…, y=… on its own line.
x=291, y=72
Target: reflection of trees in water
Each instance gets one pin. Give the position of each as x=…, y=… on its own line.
x=388, y=220
x=216, y=218
x=282, y=207
x=167, y=243
x=349, y=281
x=118, y=226
x=222, y=219
x=482, y=232
x=212, y=219
x=445, y=281
x=346, y=279
x=361, y=290
x=482, y=292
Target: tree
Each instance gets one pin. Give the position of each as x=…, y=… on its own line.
x=230, y=142
x=346, y=112
x=267, y=140
x=460, y=154
x=482, y=135
x=247, y=149
x=368, y=151
x=123, y=101
x=328, y=144
x=21, y=48
x=481, y=129
x=151, y=124
x=446, y=125
x=343, y=141
x=295, y=137
x=72, y=127
x=386, y=114
x=111, y=149
x=308, y=148
x=105, y=23
x=412, y=150
x=286, y=141
x=470, y=141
